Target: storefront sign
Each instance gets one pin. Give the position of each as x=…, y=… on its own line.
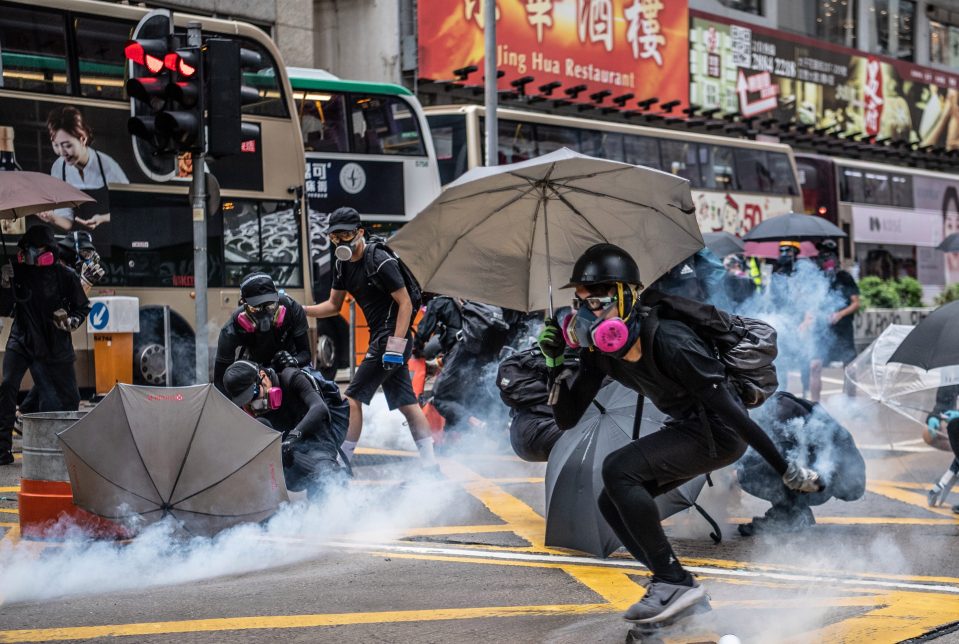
x=633, y=47
x=759, y=72
x=736, y=213
x=896, y=226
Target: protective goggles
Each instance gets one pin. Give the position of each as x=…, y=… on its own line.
x=593, y=303
x=344, y=236
x=266, y=307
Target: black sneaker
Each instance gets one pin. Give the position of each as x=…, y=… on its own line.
x=664, y=600
x=6, y=458
x=778, y=521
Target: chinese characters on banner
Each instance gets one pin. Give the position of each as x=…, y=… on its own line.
x=634, y=47
x=758, y=72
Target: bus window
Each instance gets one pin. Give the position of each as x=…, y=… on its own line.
x=902, y=191
x=385, y=125
x=516, y=142
x=261, y=236
x=641, y=150
x=605, y=145
x=33, y=50
x=851, y=186
x=784, y=181
x=100, y=52
x=877, y=189
x=449, y=139
x=716, y=163
x=322, y=121
x=266, y=81
x=550, y=138
x=680, y=159
x=752, y=171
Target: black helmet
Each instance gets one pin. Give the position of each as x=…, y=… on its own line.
x=604, y=263
x=829, y=246
x=77, y=240
x=240, y=382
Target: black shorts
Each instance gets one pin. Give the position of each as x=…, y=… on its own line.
x=370, y=376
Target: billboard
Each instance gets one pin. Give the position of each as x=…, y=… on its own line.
x=758, y=72
x=633, y=47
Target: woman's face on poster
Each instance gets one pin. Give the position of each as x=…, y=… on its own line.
x=71, y=149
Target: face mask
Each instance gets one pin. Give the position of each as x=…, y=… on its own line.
x=586, y=329
x=828, y=263
x=344, y=250
x=273, y=399
x=262, y=321
x=36, y=257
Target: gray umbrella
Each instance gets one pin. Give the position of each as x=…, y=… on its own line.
x=723, y=243
x=950, y=244
x=794, y=226
x=499, y=234
x=574, y=473
x=145, y=453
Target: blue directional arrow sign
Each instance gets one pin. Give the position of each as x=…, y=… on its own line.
x=99, y=316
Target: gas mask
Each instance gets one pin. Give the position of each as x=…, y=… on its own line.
x=828, y=262
x=787, y=260
x=609, y=329
x=273, y=398
x=344, y=249
x=33, y=256
x=261, y=318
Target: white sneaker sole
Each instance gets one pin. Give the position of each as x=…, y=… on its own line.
x=686, y=600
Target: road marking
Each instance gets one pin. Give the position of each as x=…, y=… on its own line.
x=9, y=511
x=868, y=521
x=894, y=491
x=10, y=488
x=293, y=621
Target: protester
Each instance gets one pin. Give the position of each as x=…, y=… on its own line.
x=266, y=328
x=438, y=327
x=806, y=433
x=708, y=426
x=298, y=404
x=838, y=343
x=78, y=252
x=738, y=284
x=942, y=432
x=373, y=275
x=791, y=298
x=47, y=303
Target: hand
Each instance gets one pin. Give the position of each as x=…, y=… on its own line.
x=94, y=221
x=933, y=424
x=6, y=275
x=950, y=415
x=46, y=216
x=74, y=321
x=91, y=274
x=802, y=479
x=394, y=356
x=834, y=318
x=551, y=344
x=283, y=360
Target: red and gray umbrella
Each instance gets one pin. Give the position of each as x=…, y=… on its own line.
x=146, y=453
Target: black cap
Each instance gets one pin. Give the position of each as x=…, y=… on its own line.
x=240, y=381
x=257, y=289
x=77, y=239
x=343, y=219
x=37, y=236
x=604, y=263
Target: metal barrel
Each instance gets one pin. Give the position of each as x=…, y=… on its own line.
x=42, y=458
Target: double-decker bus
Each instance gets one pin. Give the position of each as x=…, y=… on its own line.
x=64, y=110
x=736, y=183
x=894, y=216
x=367, y=146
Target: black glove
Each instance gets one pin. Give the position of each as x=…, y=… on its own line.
x=286, y=448
x=284, y=359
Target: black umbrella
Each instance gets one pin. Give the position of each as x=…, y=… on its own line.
x=723, y=243
x=934, y=342
x=949, y=245
x=793, y=226
x=574, y=473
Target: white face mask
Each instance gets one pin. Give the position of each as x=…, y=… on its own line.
x=344, y=251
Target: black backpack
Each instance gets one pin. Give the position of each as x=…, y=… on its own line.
x=338, y=405
x=522, y=378
x=481, y=324
x=373, y=276
x=746, y=346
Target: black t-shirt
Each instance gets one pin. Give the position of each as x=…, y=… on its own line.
x=377, y=304
x=846, y=287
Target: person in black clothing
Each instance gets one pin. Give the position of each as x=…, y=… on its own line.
x=266, y=328
x=290, y=402
x=47, y=304
x=942, y=432
x=707, y=425
x=441, y=321
x=385, y=300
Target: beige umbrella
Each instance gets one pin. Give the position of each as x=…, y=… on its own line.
x=145, y=453
x=499, y=234
x=27, y=193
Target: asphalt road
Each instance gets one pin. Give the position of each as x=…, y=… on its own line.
x=397, y=558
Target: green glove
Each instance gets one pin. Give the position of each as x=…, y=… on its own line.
x=551, y=344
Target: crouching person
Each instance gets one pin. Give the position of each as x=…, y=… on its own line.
x=293, y=402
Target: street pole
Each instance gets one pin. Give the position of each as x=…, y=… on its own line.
x=198, y=197
x=492, y=128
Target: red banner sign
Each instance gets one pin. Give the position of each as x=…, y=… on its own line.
x=636, y=47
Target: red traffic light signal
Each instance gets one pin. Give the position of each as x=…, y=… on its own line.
x=184, y=62
x=149, y=53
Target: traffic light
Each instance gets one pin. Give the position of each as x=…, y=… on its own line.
x=148, y=84
x=182, y=120
x=225, y=63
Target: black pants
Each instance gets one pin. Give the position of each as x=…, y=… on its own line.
x=657, y=463
x=462, y=388
x=56, y=385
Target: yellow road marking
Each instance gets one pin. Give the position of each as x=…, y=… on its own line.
x=8, y=525
x=12, y=535
x=867, y=521
x=376, y=451
x=897, y=493
x=10, y=488
x=9, y=511
x=292, y=621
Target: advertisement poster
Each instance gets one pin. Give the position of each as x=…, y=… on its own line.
x=622, y=47
x=760, y=73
